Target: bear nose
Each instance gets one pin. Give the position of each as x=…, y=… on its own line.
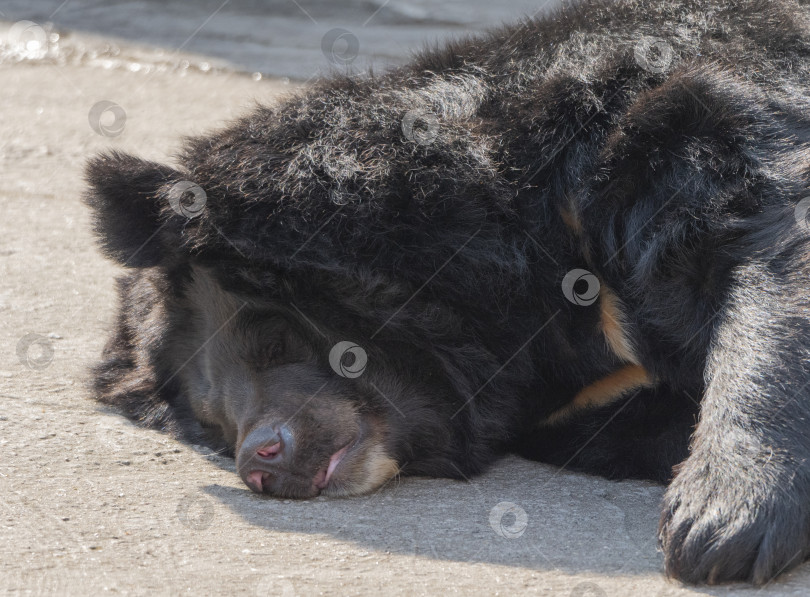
x=264, y=449
x=269, y=450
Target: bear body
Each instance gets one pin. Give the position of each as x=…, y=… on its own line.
x=580, y=238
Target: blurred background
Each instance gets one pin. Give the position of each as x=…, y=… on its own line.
x=297, y=39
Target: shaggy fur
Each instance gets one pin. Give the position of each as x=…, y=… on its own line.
x=672, y=172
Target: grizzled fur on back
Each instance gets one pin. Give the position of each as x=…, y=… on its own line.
x=432, y=214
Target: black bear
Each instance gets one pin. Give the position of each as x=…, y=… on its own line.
x=581, y=238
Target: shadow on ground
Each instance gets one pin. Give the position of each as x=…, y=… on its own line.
x=520, y=513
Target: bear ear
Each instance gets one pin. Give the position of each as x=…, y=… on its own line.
x=124, y=196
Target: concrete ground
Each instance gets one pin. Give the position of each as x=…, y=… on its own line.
x=90, y=504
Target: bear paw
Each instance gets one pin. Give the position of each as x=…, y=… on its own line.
x=716, y=529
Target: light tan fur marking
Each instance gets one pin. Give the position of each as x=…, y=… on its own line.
x=376, y=468
x=571, y=220
x=372, y=468
x=614, y=325
x=379, y=467
x=603, y=391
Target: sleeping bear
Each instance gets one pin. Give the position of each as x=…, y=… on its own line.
x=582, y=238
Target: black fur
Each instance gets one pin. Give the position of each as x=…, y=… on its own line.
x=557, y=147
x=125, y=209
